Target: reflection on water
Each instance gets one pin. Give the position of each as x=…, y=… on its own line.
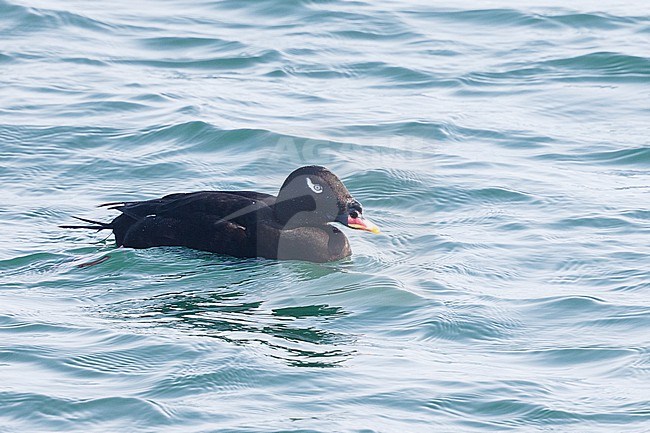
x=297, y=334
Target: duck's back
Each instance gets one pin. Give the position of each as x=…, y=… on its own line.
x=218, y=221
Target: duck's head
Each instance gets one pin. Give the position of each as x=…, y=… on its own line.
x=313, y=196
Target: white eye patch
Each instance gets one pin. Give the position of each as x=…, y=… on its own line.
x=314, y=186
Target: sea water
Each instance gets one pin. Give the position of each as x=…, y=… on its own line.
x=501, y=146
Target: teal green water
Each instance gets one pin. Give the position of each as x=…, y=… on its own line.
x=502, y=147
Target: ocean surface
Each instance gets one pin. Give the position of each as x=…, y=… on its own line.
x=502, y=146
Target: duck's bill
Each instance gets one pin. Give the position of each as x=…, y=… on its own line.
x=362, y=224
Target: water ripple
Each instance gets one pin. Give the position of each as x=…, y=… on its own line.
x=502, y=150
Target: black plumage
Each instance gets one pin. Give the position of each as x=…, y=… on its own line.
x=293, y=225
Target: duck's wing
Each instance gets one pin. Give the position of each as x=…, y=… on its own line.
x=236, y=206
x=214, y=221
x=268, y=199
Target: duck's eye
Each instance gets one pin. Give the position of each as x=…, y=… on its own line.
x=314, y=186
x=354, y=214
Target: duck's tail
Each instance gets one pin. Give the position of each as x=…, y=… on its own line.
x=96, y=225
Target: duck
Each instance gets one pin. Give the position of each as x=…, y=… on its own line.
x=297, y=224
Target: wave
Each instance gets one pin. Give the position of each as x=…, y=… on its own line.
x=592, y=67
x=26, y=19
x=637, y=157
x=213, y=63
x=549, y=20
